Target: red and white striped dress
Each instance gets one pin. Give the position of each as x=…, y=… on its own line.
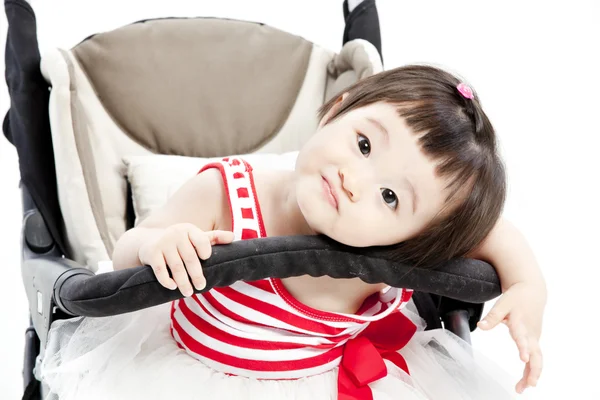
x=253, y=340
x=259, y=330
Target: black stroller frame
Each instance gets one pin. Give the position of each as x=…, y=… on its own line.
x=451, y=296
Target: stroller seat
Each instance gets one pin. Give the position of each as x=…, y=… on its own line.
x=188, y=87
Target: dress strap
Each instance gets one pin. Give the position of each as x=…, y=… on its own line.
x=247, y=221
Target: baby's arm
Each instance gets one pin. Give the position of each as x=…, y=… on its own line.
x=508, y=251
x=521, y=306
x=178, y=233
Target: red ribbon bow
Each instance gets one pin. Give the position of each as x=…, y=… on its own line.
x=362, y=360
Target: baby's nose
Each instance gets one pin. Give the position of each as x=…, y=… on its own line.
x=350, y=184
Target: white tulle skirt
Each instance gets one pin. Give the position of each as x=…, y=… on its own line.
x=133, y=356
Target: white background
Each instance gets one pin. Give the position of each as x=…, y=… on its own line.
x=534, y=65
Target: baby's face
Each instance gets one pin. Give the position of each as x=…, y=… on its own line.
x=364, y=181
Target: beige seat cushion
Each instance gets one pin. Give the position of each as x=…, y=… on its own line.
x=155, y=178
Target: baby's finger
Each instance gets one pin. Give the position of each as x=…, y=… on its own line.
x=496, y=314
x=177, y=268
x=220, y=237
x=518, y=331
x=160, y=270
x=192, y=263
x=201, y=242
x=523, y=346
x=522, y=384
x=535, y=365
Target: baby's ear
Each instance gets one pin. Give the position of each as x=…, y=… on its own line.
x=333, y=110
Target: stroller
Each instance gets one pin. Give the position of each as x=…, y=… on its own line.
x=107, y=130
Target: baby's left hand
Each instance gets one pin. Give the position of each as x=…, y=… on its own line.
x=521, y=308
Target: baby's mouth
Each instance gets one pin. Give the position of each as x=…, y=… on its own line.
x=329, y=193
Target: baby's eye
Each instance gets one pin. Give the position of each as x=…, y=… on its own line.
x=390, y=198
x=364, y=145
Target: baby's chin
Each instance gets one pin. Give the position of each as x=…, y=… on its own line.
x=358, y=238
x=342, y=237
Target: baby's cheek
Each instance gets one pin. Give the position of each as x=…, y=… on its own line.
x=357, y=233
x=386, y=231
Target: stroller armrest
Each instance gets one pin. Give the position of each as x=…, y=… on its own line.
x=279, y=257
x=42, y=277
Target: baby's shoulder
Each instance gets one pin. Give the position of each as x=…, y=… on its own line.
x=211, y=195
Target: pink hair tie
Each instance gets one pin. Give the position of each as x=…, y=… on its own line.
x=465, y=90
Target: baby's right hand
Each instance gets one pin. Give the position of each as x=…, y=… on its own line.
x=180, y=248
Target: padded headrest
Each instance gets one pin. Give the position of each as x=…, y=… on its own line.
x=195, y=87
x=199, y=87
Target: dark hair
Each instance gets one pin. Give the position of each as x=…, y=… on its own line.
x=455, y=132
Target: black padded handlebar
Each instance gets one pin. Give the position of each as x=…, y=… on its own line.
x=279, y=257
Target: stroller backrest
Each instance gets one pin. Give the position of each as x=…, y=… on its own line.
x=198, y=87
